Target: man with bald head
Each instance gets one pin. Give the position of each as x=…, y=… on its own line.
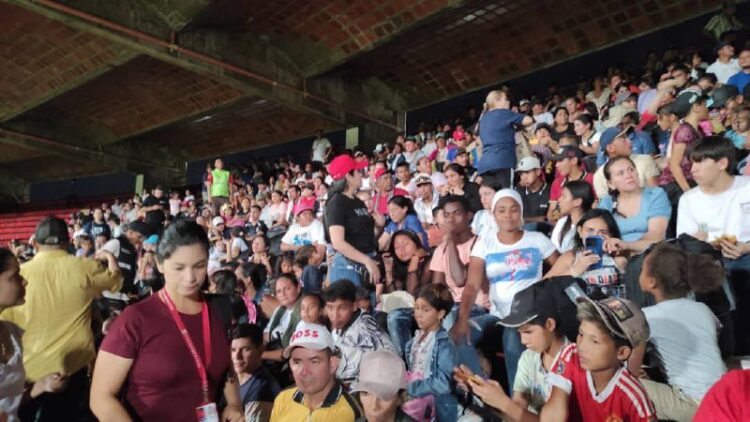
x=220, y=186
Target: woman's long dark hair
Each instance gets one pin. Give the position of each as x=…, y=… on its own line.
x=579, y=190
x=609, y=220
x=403, y=202
x=400, y=268
x=461, y=171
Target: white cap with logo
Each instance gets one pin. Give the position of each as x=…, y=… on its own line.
x=310, y=336
x=528, y=163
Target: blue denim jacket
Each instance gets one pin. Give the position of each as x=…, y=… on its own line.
x=444, y=359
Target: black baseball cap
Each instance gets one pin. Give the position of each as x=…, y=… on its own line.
x=569, y=151
x=140, y=227
x=529, y=304
x=51, y=231
x=723, y=94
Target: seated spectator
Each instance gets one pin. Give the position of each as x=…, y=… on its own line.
x=354, y=333
x=642, y=214
x=717, y=211
x=459, y=185
x=306, y=230
x=405, y=181
x=591, y=383
x=427, y=200
x=603, y=275
x=402, y=217
x=533, y=315
x=258, y=388
x=431, y=357
x=533, y=189
x=511, y=260
x=308, y=258
x=412, y=153
x=424, y=166
x=313, y=309
x=742, y=78
x=583, y=125
x=562, y=124
x=282, y=323
x=406, y=263
x=313, y=361
x=615, y=143
x=237, y=245
x=462, y=159
x=684, y=332
x=570, y=168
x=576, y=199
x=251, y=278
x=483, y=222
x=382, y=392
x=97, y=225
x=740, y=131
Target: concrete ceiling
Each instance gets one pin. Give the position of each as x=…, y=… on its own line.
x=96, y=86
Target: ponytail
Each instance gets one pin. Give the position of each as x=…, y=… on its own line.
x=679, y=272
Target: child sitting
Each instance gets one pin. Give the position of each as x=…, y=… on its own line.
x=533, y=314
x=590, y=381
x=684, y=331
x=431, y=357
x=307, y=259
x=312, y=309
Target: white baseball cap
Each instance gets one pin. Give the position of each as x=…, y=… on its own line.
x=216, y=221
x=375, y=380
x=310, y=336
x=528, y=163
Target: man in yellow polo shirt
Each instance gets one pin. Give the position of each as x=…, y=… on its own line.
x=56, y=319
x=317, y=396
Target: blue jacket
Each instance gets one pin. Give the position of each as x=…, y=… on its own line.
x=444, y=359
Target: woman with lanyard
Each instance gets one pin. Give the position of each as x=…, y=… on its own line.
x=172, y=351
x=349, y=225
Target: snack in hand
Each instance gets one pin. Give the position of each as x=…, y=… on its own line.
x=724, y=237
x=466, y=377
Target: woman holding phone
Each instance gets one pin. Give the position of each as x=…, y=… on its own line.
x=169, y=352
x=588, y=260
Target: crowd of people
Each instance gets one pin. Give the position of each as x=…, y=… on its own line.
x=582, y=257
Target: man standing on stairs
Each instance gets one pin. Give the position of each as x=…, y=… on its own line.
x=219, y=185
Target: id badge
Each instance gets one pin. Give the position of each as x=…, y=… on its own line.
x=207, y=413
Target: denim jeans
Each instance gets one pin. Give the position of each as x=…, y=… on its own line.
x=401, y=328
x=340, y=268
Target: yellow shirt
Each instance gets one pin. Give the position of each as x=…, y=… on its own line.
x=56, y=317
x=338, y=406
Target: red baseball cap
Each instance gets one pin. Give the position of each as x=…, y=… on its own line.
x=379, y=172
x=343, y=164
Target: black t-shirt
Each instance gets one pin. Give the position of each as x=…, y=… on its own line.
x=96, y=229
x=352, y=214
x=535, y=203
x=155, y=218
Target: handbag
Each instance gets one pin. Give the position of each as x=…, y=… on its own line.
x=421, y=409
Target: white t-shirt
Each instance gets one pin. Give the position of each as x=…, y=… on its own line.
x=438, y=179
x=531, y=377
x=319, y=148
x=511, y=268
x=685, y=334
x=724, y=71
x=424, y=209
x=568, y=240
x=239, y=243
x=726, y=213
x=484, y=224
x=299, y=236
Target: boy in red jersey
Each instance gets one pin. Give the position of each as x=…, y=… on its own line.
x=591, y=382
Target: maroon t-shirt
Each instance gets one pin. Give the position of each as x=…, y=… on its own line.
x=163, y=384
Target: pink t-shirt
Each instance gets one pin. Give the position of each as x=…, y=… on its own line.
x=439, y=263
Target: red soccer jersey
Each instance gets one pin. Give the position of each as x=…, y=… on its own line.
x=623, y=399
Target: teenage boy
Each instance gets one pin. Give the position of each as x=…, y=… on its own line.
x=570, y=168
x=718, y=211
x=533, y=314
x=258, y=388
x=590, y=381
x=354, y=332
x=533, y=188
x=427, y=200
x=405, y=181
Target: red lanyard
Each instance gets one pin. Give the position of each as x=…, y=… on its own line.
x=206, y=325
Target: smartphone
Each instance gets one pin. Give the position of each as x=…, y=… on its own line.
x=595, y=244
